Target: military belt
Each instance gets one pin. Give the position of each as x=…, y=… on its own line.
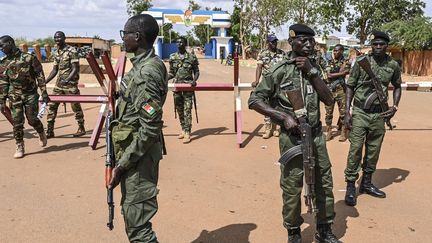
x=375, y=108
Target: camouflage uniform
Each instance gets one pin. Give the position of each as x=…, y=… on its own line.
x=136, y=135
x=22, y=76
x=268, y=58
x=367, y=125
x=63, y=59
x=337, y=88
x=286, y=76
x=182, y=68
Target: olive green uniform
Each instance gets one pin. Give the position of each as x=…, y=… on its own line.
x=286, y=76
x=367, y=125
x=136, y=135
x=182, y=68
x=268, y=58
x=22, y=76
x=64, y=59
x=336, y=86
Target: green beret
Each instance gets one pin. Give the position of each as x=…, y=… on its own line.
x=300, y=29
x=379, y=35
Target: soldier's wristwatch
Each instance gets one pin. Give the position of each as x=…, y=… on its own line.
x=312, y=73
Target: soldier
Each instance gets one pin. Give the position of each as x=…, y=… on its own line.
x=21, y=77
x=184, y=69
x=336, y=69
x=367, y=125
x=66, y=64
x=267, y=58
x=297, y=72
x=137, y=130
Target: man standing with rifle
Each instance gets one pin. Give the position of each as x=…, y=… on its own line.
x=290, y=94
x=184, y=69
x=136, y=131
x=368, y=86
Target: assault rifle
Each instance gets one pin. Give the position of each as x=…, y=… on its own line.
x=379, y=92
x=109, y=165
x=305, y=148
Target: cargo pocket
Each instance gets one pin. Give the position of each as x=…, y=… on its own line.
x=122, y=136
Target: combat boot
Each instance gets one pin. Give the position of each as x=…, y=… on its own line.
x=329, y=133
x=267, y=131
x=324, y=234
x=42, y=139
x=343, y=135
x=181, y=135
x=294, y=236
x=19, y=153
x=186, y=138
x=276, y=131
x=350, y=195
x=80, y=132
x=50, y=131
x=367, y=187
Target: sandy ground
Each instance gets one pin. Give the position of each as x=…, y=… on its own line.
x=210, y=191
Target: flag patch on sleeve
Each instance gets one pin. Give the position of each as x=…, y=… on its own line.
x=149, y=109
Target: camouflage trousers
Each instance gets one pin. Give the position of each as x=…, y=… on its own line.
x=291, y=183
x=76, y=107
x=368, y=130
x=183, y=102
x=339, y=98
x=28, y=105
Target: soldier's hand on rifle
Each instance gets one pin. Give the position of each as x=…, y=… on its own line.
x=254, y=84
x=194, y=83
x=290, y=123
x=388, y=114
x=303, y=63
x=116, y=177
x=348, y=121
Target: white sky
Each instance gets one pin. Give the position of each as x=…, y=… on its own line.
x=39, y=19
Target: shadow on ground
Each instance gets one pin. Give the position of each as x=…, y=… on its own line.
x=64, y=147
x=233, y=233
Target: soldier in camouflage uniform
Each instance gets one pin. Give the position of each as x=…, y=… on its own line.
x=367, y=125
x=21, y=77
x=137, y=129
x=336, y=69
x=184, y=69
x=267, y=58
x=66, y=65
x=298, y=72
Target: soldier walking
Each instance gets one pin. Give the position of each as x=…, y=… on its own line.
x=297, y=72
x=367, y=124
x=137, y=131
x=336, y=69
x=66, y=65
x=184, y=69
x=267, y=58
x=21, y=77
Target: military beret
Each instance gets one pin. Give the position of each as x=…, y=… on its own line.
x=379, y=35
x=300, y=29
x=271, y=38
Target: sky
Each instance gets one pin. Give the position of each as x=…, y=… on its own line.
x=34, y=19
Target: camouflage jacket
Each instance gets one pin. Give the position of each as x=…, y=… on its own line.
x=64, y=58
x=183, y=67
x=268, y=58
x=21, y=76
x=387, y=71
x=334, y=66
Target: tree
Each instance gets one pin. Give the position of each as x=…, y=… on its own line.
x=415, y=34
x=135, y=7
x=246, y=23
x=367, y=15
x=269, y=13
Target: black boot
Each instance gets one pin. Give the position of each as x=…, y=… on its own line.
x=350, y=195
x=366, y=186
x=324, y=234
x=50, y=130
x=294, y=236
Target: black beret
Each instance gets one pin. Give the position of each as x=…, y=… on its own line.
x=300, y=29
x=379, y=35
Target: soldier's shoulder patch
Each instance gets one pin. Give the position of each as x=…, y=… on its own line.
x=148, y=108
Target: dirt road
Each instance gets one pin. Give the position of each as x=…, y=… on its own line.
x=211, y=191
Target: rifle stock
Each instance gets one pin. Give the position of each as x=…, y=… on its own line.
x=365, y=65
x=109, y=165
